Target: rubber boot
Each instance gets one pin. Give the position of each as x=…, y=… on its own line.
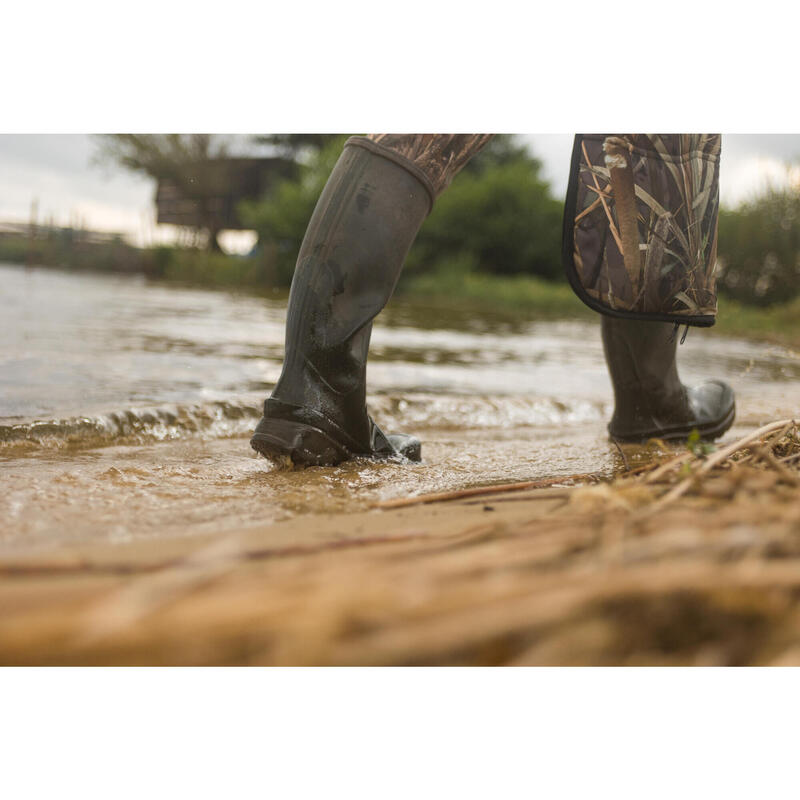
x=353, y=251
x=650, y=400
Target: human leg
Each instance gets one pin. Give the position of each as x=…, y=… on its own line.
x=650, y=400
x=365, y=221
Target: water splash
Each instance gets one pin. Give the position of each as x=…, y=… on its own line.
x=131, y=426
x=221, y=420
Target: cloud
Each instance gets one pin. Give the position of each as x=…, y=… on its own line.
x=57, y=171
x=747, y=177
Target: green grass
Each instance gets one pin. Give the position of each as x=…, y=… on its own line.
x=178, y=265
x=212, y=270
x=776, y=323
x=524, y=294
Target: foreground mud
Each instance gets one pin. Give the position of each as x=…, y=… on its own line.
x=693, y=561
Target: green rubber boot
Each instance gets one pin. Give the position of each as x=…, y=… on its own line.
x=650, y=400
x=356, y=242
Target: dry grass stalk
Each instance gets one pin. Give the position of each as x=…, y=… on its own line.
x=755, y=444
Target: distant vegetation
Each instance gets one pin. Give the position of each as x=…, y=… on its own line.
x=494, y=236
x=180, y=158
x=498, y=217
x=759, y=248
x=75, y=250
x=197, y=173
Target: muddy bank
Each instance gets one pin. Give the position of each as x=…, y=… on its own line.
x=696, y=561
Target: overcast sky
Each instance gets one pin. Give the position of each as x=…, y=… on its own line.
x=57, y=171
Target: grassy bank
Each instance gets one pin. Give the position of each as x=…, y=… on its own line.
x=532, y=296
x=115, y=256
x=776, y=323
x=537, y=298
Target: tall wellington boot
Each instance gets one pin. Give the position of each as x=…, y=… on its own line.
x=360, y=232
x=651, y=401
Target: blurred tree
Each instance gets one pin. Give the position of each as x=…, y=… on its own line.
x=188, y=161
x=498, y=216
x=501, y=149
x=179, y=158
x=174, y=157
x=759, y=247
x=282, y=216
x=296, y=146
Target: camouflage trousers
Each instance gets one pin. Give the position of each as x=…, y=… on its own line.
x=640, y=225
x=435, y=158
x=640, y=219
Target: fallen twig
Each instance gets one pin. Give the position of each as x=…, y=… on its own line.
x=624, y=459
x=440, y=497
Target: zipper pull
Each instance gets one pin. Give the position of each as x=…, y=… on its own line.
x=674, y=333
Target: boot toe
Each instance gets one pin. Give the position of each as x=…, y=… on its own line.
x=709, y=409
x=714, y=407
x=407, y=446
x=394, y=444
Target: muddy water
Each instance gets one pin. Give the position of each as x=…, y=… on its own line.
x=126, y=407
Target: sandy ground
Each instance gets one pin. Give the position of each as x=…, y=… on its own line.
x=677, y=566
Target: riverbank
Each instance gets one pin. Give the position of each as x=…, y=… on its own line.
x=777, y=324
x=689, y=559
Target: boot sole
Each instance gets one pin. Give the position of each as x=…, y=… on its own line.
x=294, y=444
x=711, y=430
x=302, y=445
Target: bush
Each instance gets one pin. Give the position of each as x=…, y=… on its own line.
x=497, y=217
x=210, y=269
x=281, y=218
x=759, y=248
x=502, y=220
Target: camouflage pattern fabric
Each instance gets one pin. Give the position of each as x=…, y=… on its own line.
x=440, y=156
x=640, y=226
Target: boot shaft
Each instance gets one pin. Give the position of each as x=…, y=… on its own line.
x=641, y=358
x=364, y=223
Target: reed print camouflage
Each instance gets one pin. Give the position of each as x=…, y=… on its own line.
x=640, y=227
x=439, y=156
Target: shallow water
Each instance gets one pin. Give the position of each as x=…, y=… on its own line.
x=126, y=406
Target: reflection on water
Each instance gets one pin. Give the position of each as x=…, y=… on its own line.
x=125, y=407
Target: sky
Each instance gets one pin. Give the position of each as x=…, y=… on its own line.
x=58, y=173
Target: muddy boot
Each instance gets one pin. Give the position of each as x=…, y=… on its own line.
x=651, y=402
x=354, y=247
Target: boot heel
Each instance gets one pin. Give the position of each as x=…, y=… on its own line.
x=303, y=445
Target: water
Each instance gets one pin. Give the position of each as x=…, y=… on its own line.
x=126, y=406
